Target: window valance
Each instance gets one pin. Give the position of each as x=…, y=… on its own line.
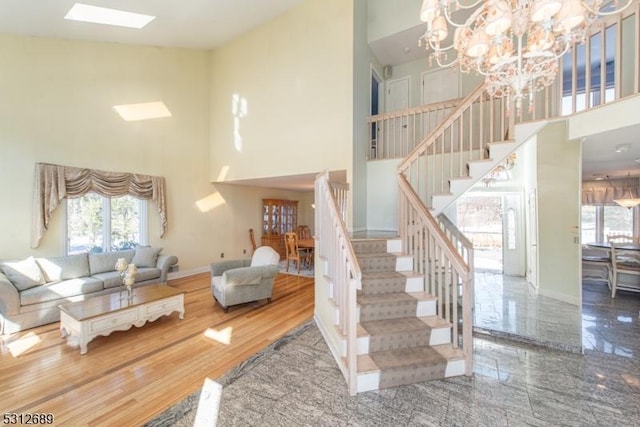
x=54, y=182
x=603, y=194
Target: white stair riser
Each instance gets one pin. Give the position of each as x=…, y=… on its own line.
x=426, y=308
x=404, y=263
x=455, y=368
x=368, y=381
x=394, y=245
x=414, y=284
x=459, y=186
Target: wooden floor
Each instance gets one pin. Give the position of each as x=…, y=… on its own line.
x=129, y=377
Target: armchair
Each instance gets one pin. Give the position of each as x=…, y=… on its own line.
x=240, y=281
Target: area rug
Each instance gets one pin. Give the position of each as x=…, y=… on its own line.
x=293, y=269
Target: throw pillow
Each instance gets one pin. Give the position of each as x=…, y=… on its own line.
x=146, y=256
x=23, y=274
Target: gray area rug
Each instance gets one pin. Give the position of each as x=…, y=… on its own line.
x=304, y=270
x=296, y=382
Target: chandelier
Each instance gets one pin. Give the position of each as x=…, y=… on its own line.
x=514, y=44
x=628, y=200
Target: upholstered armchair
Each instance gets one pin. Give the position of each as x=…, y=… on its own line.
x=240, y=281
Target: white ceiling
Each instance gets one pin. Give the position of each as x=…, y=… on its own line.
x=207, y=24
x=201, y=24
x=599, y=157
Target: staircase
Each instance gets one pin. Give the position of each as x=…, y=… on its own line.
x=401, y=340
x=399, y=311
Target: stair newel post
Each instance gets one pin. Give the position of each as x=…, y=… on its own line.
x=352, y=350
x=467, y=316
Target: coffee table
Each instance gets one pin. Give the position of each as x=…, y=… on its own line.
x=105, y=314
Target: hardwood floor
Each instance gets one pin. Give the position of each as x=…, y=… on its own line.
x=129, y=377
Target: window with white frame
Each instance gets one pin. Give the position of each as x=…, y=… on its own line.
x=600, y=221
x=100, y=224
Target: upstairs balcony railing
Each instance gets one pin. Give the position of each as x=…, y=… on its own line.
x=604, y=69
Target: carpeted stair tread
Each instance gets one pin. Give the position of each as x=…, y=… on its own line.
x=390, y=297
x=369, y=246
x=409, y=365
x=382, y=282
x=386, y=306
x=392, y=326
x=397, y=333
x=377, y=262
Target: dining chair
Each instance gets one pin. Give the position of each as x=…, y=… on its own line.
x=598, y=260
x=252, y=240
x=626, y=269
x=304, y=232
x=291, y=249
x=623, y=238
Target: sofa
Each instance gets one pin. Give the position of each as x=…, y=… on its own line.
x=31, y=289
x=245, y=280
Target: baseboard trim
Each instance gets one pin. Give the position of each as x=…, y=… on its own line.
x=560, y=297
x=187, y=273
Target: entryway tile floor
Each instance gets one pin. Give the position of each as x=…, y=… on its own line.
x=509, y=307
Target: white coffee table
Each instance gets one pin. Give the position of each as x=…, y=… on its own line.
x=102, y=315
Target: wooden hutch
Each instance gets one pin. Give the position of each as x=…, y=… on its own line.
x=278, y=217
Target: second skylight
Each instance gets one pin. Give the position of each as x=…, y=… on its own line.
x=103, y=15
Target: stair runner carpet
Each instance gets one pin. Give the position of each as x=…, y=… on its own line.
x=398, y=340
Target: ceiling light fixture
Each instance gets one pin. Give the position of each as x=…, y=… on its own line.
x=515, y=44
x=622, y=148
x=628, y=200
x=102, y=15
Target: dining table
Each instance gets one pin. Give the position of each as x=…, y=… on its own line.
x=309, y=243
x=607, y=246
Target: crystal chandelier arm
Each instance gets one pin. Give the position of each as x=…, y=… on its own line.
x=474, y=15
x=601, y=13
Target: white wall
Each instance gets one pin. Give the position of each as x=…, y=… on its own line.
x=386, y=18
x=382, y=195
x=558, y=192
x=57, y=99
x=295, y=75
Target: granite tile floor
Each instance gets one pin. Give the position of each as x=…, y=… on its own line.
x=296, y=382
x=508, y=307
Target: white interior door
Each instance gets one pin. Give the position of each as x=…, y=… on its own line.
x=513, y=249
x=532, y=259
x=397, y=129
x=440, y=85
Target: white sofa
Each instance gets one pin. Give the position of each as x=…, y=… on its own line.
x=31, y=289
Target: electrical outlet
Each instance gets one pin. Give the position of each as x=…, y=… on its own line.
x=221, y=254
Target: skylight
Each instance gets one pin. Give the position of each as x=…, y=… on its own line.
x=144, y=111
x=103, y=15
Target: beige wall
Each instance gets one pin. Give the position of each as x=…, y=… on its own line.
x=558, y=192
x=57, y=99
x=295, y=75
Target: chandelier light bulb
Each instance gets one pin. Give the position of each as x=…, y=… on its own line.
x=544, y=9
x=498, y=18
x=428, y=10
x=478, y=45
x=439, y=30
x=571, y=14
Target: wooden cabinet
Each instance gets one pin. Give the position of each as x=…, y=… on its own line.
x=278, y=217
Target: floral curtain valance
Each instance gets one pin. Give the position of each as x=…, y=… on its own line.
x=600, y=195
x=54, y=182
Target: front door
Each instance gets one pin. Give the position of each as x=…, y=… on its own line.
x=513, y=253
